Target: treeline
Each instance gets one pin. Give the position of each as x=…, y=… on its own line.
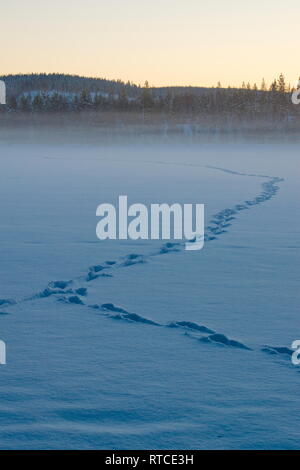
x=63, y=93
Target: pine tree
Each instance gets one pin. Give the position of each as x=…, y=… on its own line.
x=146, y=98
x=37, y=103
x=273, y=86
x=85, y=100
x=281, y=84
x=123, y=100
x=12, y=103
x=25, y=103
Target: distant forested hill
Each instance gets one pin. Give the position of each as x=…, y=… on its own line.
x=19, y=84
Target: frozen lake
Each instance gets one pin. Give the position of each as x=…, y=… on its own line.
x=197, y=366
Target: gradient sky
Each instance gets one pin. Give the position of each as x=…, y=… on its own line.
x=167, y=42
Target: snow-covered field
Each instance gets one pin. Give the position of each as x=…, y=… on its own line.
x=144, y=344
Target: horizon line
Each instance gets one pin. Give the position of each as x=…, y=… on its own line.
x=140, y=85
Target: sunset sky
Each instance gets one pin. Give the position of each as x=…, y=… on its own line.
x=167, y=42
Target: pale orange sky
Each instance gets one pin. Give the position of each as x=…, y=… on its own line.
x=167, y=42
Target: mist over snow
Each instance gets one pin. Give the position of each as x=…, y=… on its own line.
x=123, y=344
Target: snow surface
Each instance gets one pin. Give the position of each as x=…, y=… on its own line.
x=165, y=348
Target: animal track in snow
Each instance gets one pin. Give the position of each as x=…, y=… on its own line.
x=7, y=302
x=278, y=350
x=65, y=291
x=218, y=226
x=224, y=341
x=120, y=313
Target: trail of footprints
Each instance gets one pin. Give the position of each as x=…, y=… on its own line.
x=69, y=292
x=223, y=219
